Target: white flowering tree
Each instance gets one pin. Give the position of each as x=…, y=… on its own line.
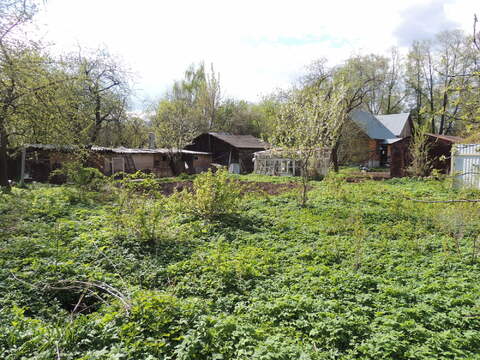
x=310, y=120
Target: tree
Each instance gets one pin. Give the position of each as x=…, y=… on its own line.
x=310, y=120
x=437, y=77
x=419, y=149
x=200, y=91
x=378, y=79
x=470, y=92
x=210, y=97
x=241, y=117
x=358, y=86
x=20, y=74
x=98, y=93
x=130, y=131
x=175, y=125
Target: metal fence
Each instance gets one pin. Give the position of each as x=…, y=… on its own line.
x=466, y=165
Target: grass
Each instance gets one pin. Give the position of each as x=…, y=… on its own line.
x=362, y=272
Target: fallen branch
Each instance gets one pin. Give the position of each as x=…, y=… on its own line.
x=84, y=285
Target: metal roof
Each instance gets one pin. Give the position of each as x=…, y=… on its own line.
x=118, y=150
x=391, y=141
x=240, y=141
x=394, y=122
x=124, y=150
x=371, y=125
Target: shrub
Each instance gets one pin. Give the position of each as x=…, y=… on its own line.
x=137, y=182
x=212, y=196
x=86, y=177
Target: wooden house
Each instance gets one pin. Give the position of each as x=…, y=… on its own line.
x=234, y=151
x=367, y=139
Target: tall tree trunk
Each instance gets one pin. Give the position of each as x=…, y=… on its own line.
x=98, y=120
x=3, y=159
x=444, y=110
x=334, y=157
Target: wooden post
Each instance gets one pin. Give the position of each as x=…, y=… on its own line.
x=22, y=169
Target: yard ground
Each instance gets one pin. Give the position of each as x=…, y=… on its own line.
x=363, y=272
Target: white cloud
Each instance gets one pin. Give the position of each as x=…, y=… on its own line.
x=251, y=43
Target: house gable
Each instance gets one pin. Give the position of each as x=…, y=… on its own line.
x=370, y=125
x=398, y=124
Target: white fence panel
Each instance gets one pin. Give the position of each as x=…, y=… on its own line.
x=466, y=164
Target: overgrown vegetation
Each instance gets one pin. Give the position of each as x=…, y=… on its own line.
x=421, y=162
x=363, y=272
x=212, y=196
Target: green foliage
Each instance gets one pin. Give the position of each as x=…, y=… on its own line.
x=361, y=273
x=212, y=196
x=139, y=181
x=419, y=149
x=84, y=177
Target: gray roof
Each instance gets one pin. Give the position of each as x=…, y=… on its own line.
x=371, y=125
x=240, y=141
x=394, y=122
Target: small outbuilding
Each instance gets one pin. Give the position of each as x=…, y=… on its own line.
x=39, y=160
x=439, y=154
x=234, y=151
x=161, y=162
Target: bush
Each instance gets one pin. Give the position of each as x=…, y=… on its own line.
x=75, y=173
x=137, y=182
x=212, y=196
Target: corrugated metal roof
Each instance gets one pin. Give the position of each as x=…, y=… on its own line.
x=371, y=125
x=240, y=141
x=394, y=122
x=52, y=147
x=124, y=150
x=118, y=150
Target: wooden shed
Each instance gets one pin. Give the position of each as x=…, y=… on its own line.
x=161, y=162
x=40, y=160
x=440, y=149
x=234, y=151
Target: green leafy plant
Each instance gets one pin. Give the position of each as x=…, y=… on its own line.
x=137, y=182
x=76, y=173
x=212, y=196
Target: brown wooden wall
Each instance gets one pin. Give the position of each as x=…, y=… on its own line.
x=439, y=156
x=356, y=147
x=224, y=153
x=400, y=158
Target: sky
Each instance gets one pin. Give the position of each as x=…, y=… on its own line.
x=256, y=46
